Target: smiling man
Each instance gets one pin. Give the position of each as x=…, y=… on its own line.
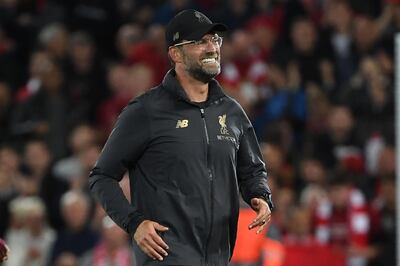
x=190, y=151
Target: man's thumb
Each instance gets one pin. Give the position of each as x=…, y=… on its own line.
x=160, y=227
x=255, y=202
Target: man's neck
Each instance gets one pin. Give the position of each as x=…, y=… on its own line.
x=196, y=90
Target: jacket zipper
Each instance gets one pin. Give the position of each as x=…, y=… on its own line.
x=210, y=179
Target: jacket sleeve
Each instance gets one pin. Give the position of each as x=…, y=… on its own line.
x=251, y=172
x=123, y=148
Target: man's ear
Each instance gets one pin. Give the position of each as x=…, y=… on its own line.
x=175, y=54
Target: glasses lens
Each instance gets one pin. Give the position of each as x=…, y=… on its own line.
x=218, y=40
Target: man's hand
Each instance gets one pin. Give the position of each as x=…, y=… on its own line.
x=149, y=241
x=4, y=250
x=263, y=214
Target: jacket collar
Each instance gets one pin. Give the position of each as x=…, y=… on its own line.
x=171, y=84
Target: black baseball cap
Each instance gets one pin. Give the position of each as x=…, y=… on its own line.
x=190, y=25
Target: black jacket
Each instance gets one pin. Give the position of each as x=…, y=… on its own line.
x=187, y=163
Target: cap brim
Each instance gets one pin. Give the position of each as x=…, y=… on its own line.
x=214, y=27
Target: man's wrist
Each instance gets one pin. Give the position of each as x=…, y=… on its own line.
x=268, y=199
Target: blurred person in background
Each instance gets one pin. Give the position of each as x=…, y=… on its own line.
x=365, y=34
x=206, y=234
x=279, y=169
x=76, y=237
x=128, y=36
x=29, y=236
x=354, y=40
x=342, y=220
x=85, y=83
x=125, y=82
x=338, y=34
x=39, y=62
x=339, y=144
x=87, y=159
x=113, y=247
x=53, y=38
x=305, y=50
x=9, y=163
x=383, y=223
x=314, y=182
x=45, y=114
x=151, y=53
x=81, y=138
x=300, y=246
x=37, y=180
x=318, y=111
x=371, y=99
x=286, y=102
x=285, y=199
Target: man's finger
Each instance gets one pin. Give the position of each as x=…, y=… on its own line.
x=260, y=221
x=157, y=247
x=160, y=227
x=256, y=222
x=261, y=228
x=151, y=252
x=147, y=252
x=160, y=241
x=255, y=203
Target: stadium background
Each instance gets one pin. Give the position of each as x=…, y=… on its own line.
x=315, y=76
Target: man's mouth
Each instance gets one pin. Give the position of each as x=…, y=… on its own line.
x=209, y=60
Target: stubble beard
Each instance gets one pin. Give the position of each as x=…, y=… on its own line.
x=200, y=72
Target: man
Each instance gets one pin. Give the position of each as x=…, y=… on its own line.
x=189, y=149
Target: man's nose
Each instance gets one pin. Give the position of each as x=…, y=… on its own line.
x=211, y=46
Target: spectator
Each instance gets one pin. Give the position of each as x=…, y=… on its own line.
x=54, y=40
x=151, y=52
x=45, y=114
x=305, y=51
x=77, y=237
x=339, y=22
x=84, y=78
x=37, y=180
x=339, y=144
x=342, y=220
x=112, y=249
x=127, y=36
x=384, y=224
x=316, y=76
x=9, y=163
x=81, y=138
x=29, y=236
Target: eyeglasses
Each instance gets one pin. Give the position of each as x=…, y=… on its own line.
x=215, y=40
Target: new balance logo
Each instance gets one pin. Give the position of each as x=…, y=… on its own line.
x=182, y=123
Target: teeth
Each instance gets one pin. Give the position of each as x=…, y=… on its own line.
x=208, y=60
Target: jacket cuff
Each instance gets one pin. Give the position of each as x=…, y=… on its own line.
x=265, y=196
x=133, y=224
x=268, y=198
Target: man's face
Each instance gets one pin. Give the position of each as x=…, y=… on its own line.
x=202, y=60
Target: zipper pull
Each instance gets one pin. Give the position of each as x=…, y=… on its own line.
x=202, y=112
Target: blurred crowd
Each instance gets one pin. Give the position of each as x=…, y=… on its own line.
x=316, y=78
